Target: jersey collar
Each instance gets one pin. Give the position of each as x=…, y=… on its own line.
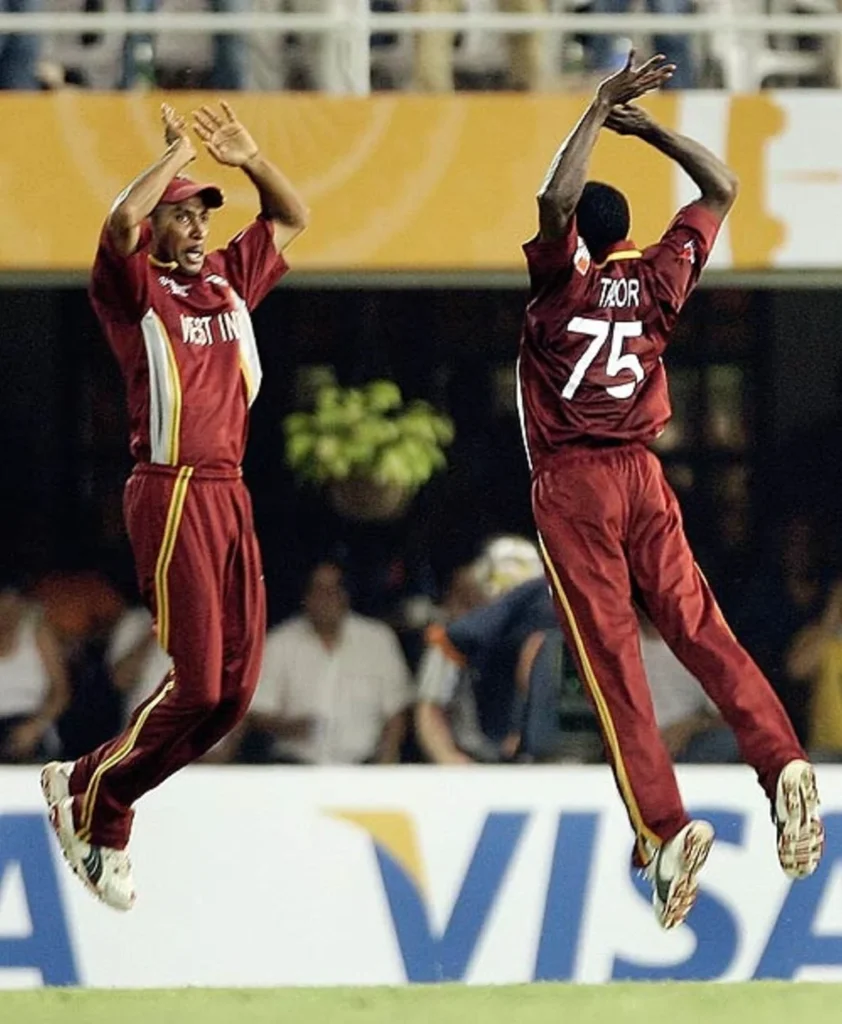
x=625, y=250
x=161, y=265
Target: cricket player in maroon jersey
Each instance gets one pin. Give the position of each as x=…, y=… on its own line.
x=593, y=395
x=177, y=318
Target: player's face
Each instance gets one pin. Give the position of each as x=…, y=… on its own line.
x=180, y=232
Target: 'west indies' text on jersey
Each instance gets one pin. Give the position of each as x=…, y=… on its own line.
x=590, y=368
x=185, y=344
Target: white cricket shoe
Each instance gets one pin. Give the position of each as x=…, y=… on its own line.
x=800, y=829
x=673, y=872
x=55, y=782
x=106, y=872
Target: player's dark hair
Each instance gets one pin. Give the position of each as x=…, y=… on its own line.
x=602, y=217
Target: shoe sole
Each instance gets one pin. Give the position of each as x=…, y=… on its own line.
x=801, y=832
x=48, y=776
x=75, y=864
x=685, y=887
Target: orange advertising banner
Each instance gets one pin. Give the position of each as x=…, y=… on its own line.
x=403, y=182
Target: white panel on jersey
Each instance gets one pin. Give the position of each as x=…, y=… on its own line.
x=521, y=415
x=704, y=116
x=249, y=358
x=164, y=390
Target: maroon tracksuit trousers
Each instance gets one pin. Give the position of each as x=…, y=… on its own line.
x=198, y=565
x=611, y=533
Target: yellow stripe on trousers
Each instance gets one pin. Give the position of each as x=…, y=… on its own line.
x=162, y=600
x=644, y=835
x=162, y=566
x=127, y=747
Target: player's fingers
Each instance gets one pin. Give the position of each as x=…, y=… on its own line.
x=229, y=113
x=661, y=80
x=204, y=134
x=210, y=113
x=201, y=118
x=653, y=62
x=655, y=79
x=654, y=73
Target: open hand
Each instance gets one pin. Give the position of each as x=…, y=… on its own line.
x=175, y=129
x=629, y=120
x=227, y=141
x=630, y=82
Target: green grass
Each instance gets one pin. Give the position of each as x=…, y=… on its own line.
x=761, y=1002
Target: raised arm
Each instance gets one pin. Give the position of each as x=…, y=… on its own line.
x=562, y=187
x=229, y=142
x=137, y=202
x=716, y=181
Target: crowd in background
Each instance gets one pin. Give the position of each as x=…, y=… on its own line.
x=436, y=61
x=473, y=672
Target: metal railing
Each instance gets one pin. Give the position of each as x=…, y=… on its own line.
x=354, y=22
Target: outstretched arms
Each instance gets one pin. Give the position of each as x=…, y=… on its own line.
x=138, y=201
x=566, y=176
x=229, y=142
x=716, y=181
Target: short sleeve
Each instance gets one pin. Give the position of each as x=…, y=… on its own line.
x=438, y=677
x=681, y=255
x=549, y=261
x=396, y=694
x=253, y=265
x=270, y=693
x=119, y=284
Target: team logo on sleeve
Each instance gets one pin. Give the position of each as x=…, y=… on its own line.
x=688, y=253
x=582, y=259
x=179, y=290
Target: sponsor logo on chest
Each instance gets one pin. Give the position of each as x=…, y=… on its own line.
x=209, y=330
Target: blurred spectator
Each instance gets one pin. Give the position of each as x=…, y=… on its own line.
x=472, y=682
x=559, y=721
x=690, y=725
x=313, y=61
x=462, y=594
x=335, y=685
x=434, y=50
x=19, y=53
x=82, y=608
x=34, y=689
x=229, y=51
x=609, y=53
x=135, y=659
x=788, y=592
x=815, y=658
x=78, y=605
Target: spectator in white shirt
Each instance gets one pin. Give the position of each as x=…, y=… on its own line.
x=135, y=659
x=688, y=721
x=34, y=685
x=335, y=685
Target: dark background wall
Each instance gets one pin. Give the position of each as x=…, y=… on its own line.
x=749, y=370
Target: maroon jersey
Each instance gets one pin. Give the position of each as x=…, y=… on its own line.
x=185, y=344
x=590, y=367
